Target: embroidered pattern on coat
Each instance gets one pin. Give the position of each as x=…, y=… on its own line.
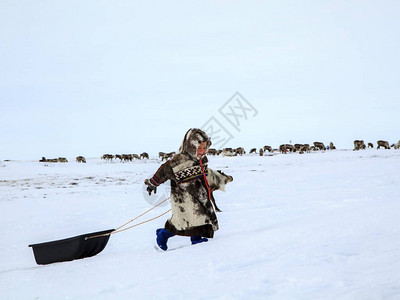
x=190, y=173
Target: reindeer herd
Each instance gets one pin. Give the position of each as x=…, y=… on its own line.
x=360, y=145
x=284, y=148
x=124, y=157
x=300, y=148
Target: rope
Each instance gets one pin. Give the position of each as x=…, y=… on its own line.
x=115, y=231
x=119, y=228
x=143, y=213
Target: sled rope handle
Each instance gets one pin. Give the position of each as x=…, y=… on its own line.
x=119, y=228
x=115, y=231
x=142, y=214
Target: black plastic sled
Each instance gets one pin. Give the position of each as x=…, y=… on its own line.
x=77, y=247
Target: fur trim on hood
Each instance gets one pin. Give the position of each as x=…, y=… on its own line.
x=192, y=140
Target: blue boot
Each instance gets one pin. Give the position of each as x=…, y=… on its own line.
x=162, y=237
x=196, y=239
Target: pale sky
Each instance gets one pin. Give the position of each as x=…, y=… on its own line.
x=94, y=77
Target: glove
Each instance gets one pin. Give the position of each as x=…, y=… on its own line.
x=150, y=188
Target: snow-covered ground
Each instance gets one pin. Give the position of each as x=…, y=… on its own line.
x=323, y=225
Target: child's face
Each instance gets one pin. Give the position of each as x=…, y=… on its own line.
x=202, y=149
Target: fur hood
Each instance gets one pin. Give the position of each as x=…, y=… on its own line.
x=193, y=138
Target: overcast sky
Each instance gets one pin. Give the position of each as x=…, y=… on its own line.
x=94, y=77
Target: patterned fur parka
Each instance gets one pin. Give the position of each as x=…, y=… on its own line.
x=192, y=211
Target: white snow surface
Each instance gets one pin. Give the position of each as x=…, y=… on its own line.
x=323, y=225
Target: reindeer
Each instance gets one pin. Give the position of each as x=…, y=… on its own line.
x=253, y=150
x=302, y=148
x=212, y=151
x=370, y=145
x=227, y=152
x=282, y=148
x=126, y=157
x=144, y=155
x=239, y=151
x=267, y=148
x=217, y=181
x=287, y=147
x=332, y=146
x=306, y=148
x=107, y=157
x=80, y=159
x=44, y=159
x=291, y=148
x=52, y=160
x=319, y=145
x=383, y=144
x=168, y=156
x=261, y=152
x=135, y=156
x=359, y=144
x=62, y=160
x=297, y=147
x=397, y=145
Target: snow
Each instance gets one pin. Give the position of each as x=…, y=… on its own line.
x=322, y=225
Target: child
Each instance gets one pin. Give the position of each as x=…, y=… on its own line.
x=192, y=212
